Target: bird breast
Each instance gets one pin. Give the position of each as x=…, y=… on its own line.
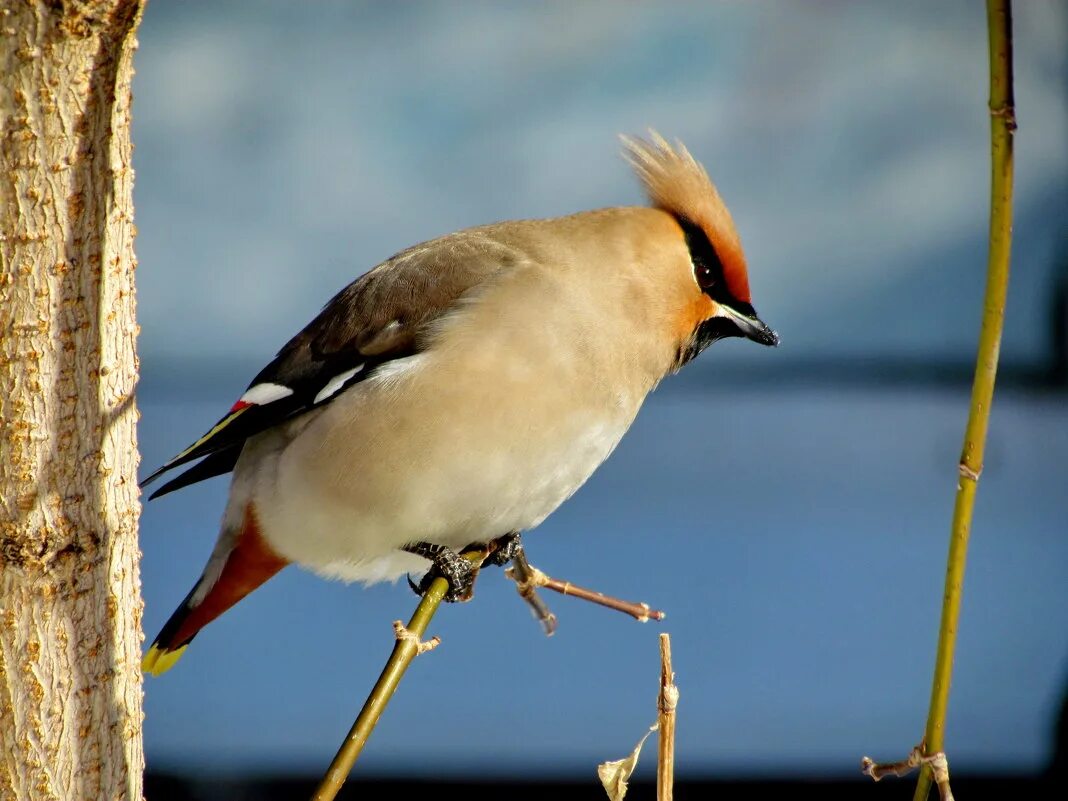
x=522, y=392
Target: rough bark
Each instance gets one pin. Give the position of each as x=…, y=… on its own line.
x=70, y=604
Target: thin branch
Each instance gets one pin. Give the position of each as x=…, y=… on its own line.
x=534, y=578
x=666, y=703
x=936, y=763
x=1002, y=126
x=522, y=572
x=409, y=645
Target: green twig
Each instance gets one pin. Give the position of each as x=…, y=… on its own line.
x=409, y=645
x=1002, y=126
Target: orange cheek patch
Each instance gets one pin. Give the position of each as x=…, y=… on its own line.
x=704, y=308
x=699, y=311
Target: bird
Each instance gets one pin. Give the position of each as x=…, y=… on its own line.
x=463, y=389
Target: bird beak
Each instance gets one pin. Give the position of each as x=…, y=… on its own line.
x=751, y=326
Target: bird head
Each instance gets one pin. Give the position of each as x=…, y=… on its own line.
x=677, y=184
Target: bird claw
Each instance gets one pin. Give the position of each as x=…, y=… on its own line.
x=449, y=565
x=505, y=549
x=457, y=570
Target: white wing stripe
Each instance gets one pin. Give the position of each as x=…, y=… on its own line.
x=336, y=383
x=266, y=393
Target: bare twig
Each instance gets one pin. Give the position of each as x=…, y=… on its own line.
x=409, y=645
x=1002, y=125
x=666, y=703
x=523, y=574
x=403, y=634
x=615, y=773
x=530, y=578
x=936, y=762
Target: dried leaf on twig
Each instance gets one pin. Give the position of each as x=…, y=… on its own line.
x=614, y=774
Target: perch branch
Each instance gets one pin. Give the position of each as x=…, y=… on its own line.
x=409, y=644
x=528, y=578
x=522, y=572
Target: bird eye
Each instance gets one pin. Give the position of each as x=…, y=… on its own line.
x=707, y=268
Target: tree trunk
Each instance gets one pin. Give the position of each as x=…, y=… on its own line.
x=70, y=595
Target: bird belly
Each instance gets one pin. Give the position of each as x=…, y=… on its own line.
x=414, y=455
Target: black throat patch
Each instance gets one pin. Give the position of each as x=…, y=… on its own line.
x=707, y=333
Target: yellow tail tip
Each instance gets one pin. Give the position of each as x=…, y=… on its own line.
x=159, y=660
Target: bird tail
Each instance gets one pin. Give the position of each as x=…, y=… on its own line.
x=167, y=648
x=235, y=569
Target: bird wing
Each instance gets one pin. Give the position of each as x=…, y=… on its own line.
x=378, y=318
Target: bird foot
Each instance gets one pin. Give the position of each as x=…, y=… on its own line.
x=459, y=571
x=505, y=549
x=449, y=565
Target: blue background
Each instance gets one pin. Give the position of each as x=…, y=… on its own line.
x=789, y=509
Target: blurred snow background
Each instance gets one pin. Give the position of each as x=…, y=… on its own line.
x=790, y=509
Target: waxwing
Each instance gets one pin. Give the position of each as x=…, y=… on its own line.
x=463, y=389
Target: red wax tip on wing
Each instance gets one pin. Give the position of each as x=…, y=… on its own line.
x=239, y=406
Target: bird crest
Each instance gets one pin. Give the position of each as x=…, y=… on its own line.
x=677, y=183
